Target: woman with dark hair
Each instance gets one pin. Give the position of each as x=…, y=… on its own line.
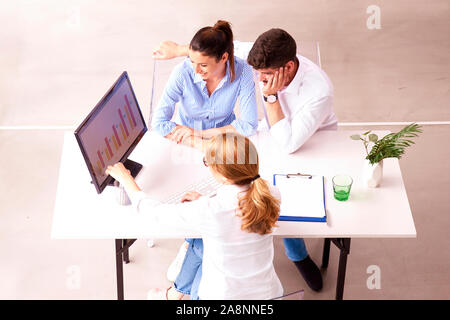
x=207, y=85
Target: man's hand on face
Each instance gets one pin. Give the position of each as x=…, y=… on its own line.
x=276, y=82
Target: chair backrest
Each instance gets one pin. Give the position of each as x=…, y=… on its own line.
x=296, y=295
x=161, y=73
x=310, y=50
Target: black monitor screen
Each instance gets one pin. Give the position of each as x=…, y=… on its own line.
x=111, y=131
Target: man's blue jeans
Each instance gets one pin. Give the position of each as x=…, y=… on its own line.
x=188, y=279
x=295, y=249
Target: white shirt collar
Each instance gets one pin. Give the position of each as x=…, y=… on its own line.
x=232, y=188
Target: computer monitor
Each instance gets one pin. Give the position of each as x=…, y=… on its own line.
x=111, y=131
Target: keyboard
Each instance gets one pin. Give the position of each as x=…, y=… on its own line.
x=206, y=187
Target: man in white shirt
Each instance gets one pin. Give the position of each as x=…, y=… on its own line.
x=298, y=98
x=298, y=95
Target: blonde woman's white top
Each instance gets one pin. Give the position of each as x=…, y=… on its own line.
x=236, y=264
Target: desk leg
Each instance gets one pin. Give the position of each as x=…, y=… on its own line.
x=344, y=246
x=326, y=253
x=122, y=246
x=126, y=244
x=119, y=269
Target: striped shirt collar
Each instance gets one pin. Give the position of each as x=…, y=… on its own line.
x=198, y=78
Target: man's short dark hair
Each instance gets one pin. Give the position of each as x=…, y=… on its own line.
x=272, y=49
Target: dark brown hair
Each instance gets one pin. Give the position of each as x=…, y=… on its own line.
x=272, y=49
x=214, y=42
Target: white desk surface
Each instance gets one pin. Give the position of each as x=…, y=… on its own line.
x=80, y=213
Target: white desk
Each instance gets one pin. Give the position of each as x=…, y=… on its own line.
x=80, y=213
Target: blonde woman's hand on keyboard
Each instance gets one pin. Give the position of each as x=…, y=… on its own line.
x=190, y=196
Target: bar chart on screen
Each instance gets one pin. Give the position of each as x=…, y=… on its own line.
x=120, y=135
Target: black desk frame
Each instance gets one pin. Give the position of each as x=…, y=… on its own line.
x=343, y=244
x=122, y=254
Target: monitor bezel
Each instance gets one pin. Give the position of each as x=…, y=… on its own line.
x=98, y=107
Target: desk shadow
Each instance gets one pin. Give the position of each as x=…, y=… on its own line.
x=387, y=181
x=363, y=194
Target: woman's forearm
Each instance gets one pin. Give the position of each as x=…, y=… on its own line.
x=130, y=185
x=209, y=133
x=182, y=50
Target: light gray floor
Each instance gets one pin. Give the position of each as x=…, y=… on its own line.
x=58, y=58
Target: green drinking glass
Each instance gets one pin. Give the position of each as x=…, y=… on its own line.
x=341, y=187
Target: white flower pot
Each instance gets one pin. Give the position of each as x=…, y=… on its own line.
x=373, y=174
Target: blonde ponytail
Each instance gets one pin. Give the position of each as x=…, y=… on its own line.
x=235, y=158
x=259, y=209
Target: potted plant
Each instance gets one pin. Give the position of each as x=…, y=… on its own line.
x=390, y=146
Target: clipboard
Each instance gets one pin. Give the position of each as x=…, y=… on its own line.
x=295, y=207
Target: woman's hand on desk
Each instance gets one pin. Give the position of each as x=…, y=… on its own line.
x=190, y=196
x=123, y=175
x=189, y=137
x=180, y=133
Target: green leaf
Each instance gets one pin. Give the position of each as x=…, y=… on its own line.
x=393, y=145
x=366, y=133
x=355, y=137
x=373, y=137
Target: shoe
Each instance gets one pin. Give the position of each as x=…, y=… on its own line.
x=158, y=294
x=310, y=273
x=177, y=263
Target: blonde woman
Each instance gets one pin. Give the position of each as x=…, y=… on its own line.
x=235, y=225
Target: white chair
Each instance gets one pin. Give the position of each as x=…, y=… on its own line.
x=310, y=50
x=160, y=75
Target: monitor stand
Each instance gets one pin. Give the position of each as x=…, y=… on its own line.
x=131, y=165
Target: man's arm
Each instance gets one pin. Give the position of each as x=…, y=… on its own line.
x=291, y=135
x=274, y=112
